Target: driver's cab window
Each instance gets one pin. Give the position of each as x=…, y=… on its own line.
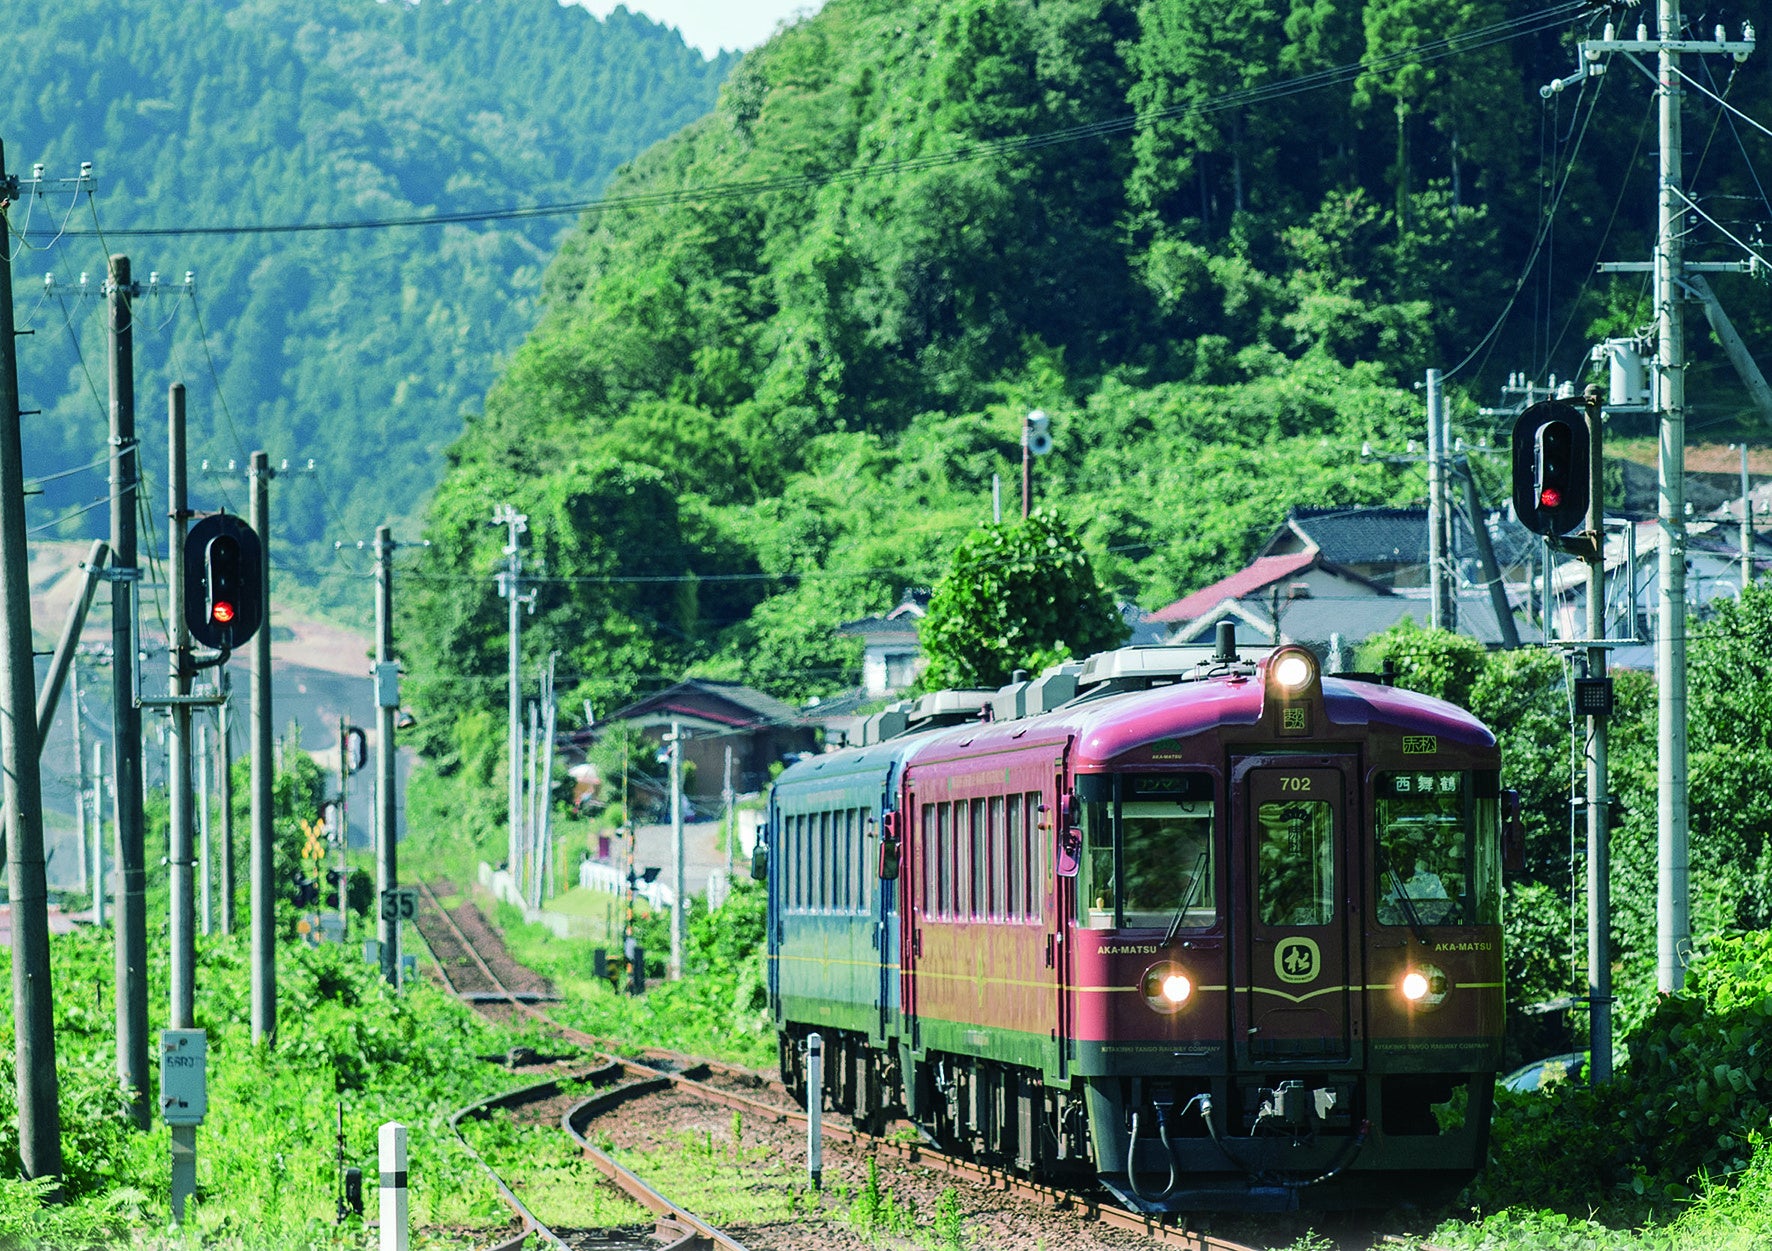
x=1148, y=854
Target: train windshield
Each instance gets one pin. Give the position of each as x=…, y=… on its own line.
x=1149, y=861
x=1439, y=848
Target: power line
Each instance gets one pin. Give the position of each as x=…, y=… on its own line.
x=1429, y=51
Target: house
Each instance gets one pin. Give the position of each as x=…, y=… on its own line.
x=892, y=655
x=1633, y=592
x=1332, y=577
x=713, y=716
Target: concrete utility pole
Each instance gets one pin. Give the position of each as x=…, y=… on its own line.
x=387, y=704
x=99, y=878
x=345, y=729
x=510, y=587
x=1599, y=800
x=79, y=770
x=1747, y=526
x=126, y=717
x=1440, y=611
x=1504, y=613
x=183, y=859
x=676, y=755
x=224, y=714
x=544, y=824
x=264, y=885
x=1672, y=284
x=33, y=1013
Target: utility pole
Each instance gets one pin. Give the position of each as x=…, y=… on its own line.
x=1671, y=271
x=264, y=886
x=1504, y=613
x=1440, y=614
x=345, y=730
x=183, y=858
x=1599, y=799
x=33, y=1011
x=544, y=825
x=510, y=587
x=126, y=717
x=1747, y=527
x=387, y=704
x=224, y=714
x=726, y=797
x=79, y=770
x=676, y=754
x=99, y=879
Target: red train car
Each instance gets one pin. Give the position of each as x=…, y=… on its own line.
x=1221, y=938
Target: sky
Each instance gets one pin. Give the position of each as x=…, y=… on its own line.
x=715, y=24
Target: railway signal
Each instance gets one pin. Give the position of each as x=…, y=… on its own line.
x=224, y=589
x=1550, y=454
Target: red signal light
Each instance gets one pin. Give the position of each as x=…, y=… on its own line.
x=1550, y=497
x=222, y=612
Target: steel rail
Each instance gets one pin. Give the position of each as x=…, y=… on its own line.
x=696, y=1230
x=684, y=1230
x=912, y=1153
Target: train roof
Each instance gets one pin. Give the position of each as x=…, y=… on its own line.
x=1118, y=701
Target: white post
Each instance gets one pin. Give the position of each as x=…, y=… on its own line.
x=391, y=1144
x=815, y=1109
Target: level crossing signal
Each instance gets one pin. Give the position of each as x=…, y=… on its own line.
x=1550, y=458
x=224, y=582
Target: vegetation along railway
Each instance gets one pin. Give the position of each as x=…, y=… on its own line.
x=625, y=1082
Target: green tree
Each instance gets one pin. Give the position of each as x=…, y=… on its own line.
x=1021, y=595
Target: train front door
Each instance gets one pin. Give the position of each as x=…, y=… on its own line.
x=1294, y=1002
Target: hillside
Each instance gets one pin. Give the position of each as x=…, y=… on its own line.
x=1219, y=247
x=360, y=350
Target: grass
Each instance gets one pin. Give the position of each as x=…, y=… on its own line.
x=266, y=1166
x=551, y=1176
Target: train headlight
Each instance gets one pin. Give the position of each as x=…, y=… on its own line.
x=1167, y=988
x=1425, y=987
x=1293, y=670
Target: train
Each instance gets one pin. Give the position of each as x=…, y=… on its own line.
x=1213, y=932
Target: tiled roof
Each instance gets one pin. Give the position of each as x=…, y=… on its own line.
x=1365, y=536
x=1357, y=618
x=690, y=697
x=1265, y=571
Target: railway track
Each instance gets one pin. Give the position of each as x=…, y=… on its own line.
x=652, y=1070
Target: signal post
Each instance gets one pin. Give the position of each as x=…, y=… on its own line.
x=215, y=574
x=1558, y=479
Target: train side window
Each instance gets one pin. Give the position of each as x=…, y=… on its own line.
x=944, y=856
x=980, y=862
x=1098, y=889
x=858, y=889
x=927, y=854
x=801, y=851
x=1015, y=902
x=1034, y=867
x=1000, y=906
x=962, y=860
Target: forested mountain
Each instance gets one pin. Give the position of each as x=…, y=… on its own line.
x=1219, y=243
x=358, y=349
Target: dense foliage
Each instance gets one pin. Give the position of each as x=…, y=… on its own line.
x=359, y=350
x=1022, y=595
x=1216, y=260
